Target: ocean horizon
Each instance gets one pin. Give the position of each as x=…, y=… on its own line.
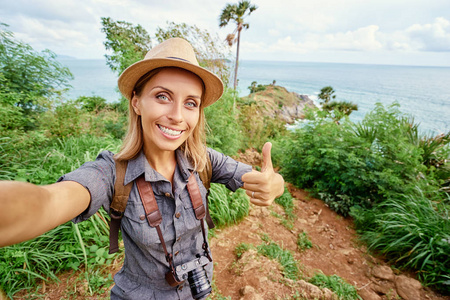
x=422, y=92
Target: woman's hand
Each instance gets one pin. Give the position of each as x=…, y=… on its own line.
x=263, y=187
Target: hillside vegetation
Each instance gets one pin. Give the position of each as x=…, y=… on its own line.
x=381, y=171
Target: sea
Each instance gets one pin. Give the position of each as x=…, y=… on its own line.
x=423, y=93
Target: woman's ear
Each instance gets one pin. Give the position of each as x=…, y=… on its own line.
x=135, y=104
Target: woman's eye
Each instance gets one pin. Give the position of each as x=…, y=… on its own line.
x=162, y=97
x=191, y=104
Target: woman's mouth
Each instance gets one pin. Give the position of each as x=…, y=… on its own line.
x=170, y=132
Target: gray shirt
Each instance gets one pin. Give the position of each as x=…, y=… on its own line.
x=143, y=273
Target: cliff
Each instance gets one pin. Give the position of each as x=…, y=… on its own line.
x=277, y=102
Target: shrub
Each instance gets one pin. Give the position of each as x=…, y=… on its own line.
x=412, y=231
x=352, y=164
x=224, y=132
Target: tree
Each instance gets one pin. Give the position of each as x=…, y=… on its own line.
x=326, y=94
x=128, y=43
x=27, y=76
x=338, y=108
x=236, y=13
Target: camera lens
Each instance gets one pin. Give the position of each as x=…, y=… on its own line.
x=199, y=283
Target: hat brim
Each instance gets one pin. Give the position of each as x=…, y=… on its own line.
x=129, y=77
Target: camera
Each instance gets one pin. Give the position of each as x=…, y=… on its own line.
x=194, y=272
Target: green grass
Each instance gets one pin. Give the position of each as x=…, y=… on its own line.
x=68, y=246
x=273, y=251
x=303, y=242
x=286, y=201
x=227, y=208
x=339, y=286
x=414, y=233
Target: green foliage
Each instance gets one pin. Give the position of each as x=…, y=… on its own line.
x=347, y=167
x=273, y=251
x=257, y=125
x=286, y=201
x=242, y=248
x=227, y=208
x=128, y=43
x=92, y=103
x=28, y=76
x=303, y=242
x=326, y=94
x=339, y=286
x=339, y=109
x=209, y=49
x=413, y=231
x=40, y=160
x=224, y=131
x=255, y=87
x=236, y=13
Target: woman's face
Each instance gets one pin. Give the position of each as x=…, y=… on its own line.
x=169, y=106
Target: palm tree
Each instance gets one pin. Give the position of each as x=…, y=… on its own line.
x=236, y=13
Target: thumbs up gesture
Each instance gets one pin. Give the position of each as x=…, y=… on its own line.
x=263, y=187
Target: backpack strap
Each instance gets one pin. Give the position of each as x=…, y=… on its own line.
x=118, y=204
x=205, y=176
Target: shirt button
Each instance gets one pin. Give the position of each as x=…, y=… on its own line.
x=179, y=238
x=142, y=217
x=176, y=253
x=177, y=215
x=168, y=195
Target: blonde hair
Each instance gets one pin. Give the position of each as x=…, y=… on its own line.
x=194, y=147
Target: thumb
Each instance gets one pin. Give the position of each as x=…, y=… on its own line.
x=266, y=157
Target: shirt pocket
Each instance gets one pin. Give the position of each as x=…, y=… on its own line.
x=135, y=224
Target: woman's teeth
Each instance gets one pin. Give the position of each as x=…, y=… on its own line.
x=170, y=131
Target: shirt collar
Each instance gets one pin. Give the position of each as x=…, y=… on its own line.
x=139, y=165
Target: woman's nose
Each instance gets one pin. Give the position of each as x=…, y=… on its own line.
x=175, y=113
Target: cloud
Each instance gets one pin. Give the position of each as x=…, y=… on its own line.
x=431, y=37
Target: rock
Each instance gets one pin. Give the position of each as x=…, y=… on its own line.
x=382, y=287
x=249, y=293
x=408, y=288
x=383, y=272
x=329, y=295
x=368, y=294
x=310, y=290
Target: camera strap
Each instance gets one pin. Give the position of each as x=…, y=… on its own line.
x=154, y=217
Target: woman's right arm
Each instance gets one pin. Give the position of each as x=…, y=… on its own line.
x=28, y=210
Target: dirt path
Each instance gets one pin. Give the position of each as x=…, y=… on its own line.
x=335, y=251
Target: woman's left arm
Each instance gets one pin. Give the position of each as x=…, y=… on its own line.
x=263, y=187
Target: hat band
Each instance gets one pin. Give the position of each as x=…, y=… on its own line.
x=179, y=59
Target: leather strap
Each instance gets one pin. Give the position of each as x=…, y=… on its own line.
x=118, y=205
x=196, y=197
x=152, y=213
x=154, y=217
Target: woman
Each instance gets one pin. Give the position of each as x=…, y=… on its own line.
x=165, y=144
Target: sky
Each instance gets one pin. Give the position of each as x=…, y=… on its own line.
x=394, y=32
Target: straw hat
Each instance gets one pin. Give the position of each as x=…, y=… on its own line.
x=174, y=52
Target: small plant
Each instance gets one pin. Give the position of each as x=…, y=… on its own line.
x=242, y=248
x=339, y=286
x=227, y=208
x=303, y=242
x=284, y=257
